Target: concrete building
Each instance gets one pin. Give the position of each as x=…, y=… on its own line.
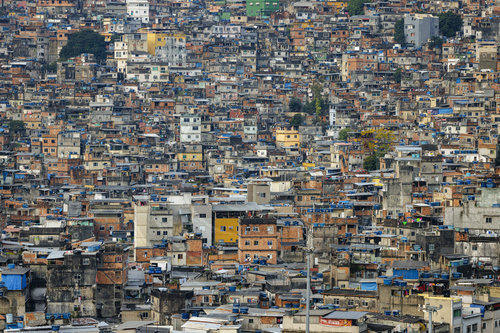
x=419, y=28
x=138, y=10
x=190, y=128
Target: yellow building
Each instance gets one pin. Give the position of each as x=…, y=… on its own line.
x=338, y=6
x=226, y=230
x=161, y=38
x=226, y=220
x=287, y=137
x=190, y=157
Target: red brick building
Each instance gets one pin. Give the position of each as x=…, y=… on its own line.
x=258, y=238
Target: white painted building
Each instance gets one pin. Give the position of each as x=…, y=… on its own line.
x=138, y=10
x=190, y=128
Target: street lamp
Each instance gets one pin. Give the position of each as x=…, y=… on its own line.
x=431, y=309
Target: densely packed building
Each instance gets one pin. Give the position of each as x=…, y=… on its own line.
x=228, y=166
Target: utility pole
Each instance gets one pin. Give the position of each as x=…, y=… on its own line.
x=430, y=309
x=308, y=289
x=308, y=285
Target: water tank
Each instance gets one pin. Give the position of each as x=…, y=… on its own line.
x=232, y=288
x=55, y=328
x=185, y=316
x=236, y=310
x=11, y=266
x=243, y=310
x=445, y=276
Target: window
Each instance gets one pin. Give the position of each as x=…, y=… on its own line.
x=164, y=219
x=270, y=243
x=474, y=327
x=145, y=315
x=247, y=243
x=270, y=229
x=484, y=326
x=457, y=313
x=250, y=320
x=256, y=243
x=256, y=229
x=202, y=216
x=364, y=303
x=180, y=256
x=456, y=330
x=86, y=261
x=489, y=220
x=474, y=247
x=165, y=233
x=77, y=277
x=336, y=301
x=223, y=228
x=158, y=233
x=431, y=247
x=469, y=329
x=206, y=299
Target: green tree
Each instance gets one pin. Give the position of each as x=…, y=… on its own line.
x=51, y=68
x=356, y=7
x=399, y=32
x=436, y=42
x=84, y=41
x=497, y=159
x=449, y=24
x=398, y=75
x=297, y=120
x=115, y=37
x=16, y=127
x=344, y=134
x=371, y=163
x=317, y=107
x=295, y=105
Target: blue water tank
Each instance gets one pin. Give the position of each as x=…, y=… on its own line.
x=445, y=276
x=436, y=275
x=243, y=310
x=236, y=310
x=232, y=288
x=185, y=316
